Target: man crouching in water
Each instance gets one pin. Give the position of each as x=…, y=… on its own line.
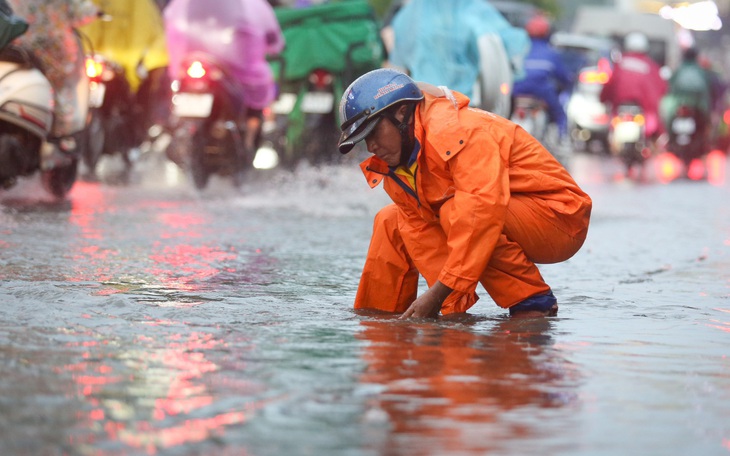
x=476, y=200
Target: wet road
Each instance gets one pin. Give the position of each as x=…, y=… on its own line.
x=150, y=319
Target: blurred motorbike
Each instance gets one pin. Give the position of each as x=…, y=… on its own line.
x=26, y=118
x=687, y=135
x=531, y=113
x=327, y=47
x=111, y=113
x=314, y=104
x=588, y=118
x=207, y=137
x=627, y=136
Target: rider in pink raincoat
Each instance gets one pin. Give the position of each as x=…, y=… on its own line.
x=237, y=33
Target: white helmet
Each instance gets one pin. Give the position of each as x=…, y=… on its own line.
x=636, y=42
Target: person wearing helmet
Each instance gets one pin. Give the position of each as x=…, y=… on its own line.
x=636, y=79
x=690, y=85
x=546, y=74
x=476, y=199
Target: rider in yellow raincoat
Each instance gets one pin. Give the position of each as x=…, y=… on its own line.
x=131, y=33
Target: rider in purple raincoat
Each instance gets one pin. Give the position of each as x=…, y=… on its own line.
x=237, y=33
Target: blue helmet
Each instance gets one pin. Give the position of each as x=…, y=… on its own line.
x=365, y=100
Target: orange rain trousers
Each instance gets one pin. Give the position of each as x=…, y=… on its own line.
x=389, y=281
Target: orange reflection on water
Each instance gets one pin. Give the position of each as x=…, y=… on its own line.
x=461, y=380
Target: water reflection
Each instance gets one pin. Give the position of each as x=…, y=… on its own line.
x=464, y=388
x=154, y=396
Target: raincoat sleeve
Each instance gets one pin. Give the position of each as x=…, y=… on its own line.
x=430, y=241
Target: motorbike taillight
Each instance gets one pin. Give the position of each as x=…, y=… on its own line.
x=320, y=78
x=94, y=69
x=196, y=70
x=684, y=111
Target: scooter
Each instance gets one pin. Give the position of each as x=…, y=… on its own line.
x=26, y=120
x=111, y=113
x=687, y=135
x=207, y=136
x=315, y=104
x=627, y=136
x=531, y=113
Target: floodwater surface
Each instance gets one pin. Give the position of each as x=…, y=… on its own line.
x=152, y=319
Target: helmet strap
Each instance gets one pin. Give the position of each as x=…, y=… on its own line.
x=406, y=136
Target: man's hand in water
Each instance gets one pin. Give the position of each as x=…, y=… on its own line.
x=429, y=303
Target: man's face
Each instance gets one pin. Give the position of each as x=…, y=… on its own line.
x=385, y=141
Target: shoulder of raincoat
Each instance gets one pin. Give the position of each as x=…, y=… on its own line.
x=478, y=160
x=134, y=35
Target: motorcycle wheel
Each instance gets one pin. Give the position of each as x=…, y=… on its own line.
x=198, y=169
x=319, y=140
x=93, y=146
x=242, y=158
x=58, y=181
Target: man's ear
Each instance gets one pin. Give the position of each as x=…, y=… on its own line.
x=401, y=112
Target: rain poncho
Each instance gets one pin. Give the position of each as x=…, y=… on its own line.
x=636, y=78
x=237, y=33
x=11, y=26
x=133, y=35
x=51, y=38
x=487, y=201
x=436, y=40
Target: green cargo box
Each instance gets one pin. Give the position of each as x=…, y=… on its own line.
x=341, y=37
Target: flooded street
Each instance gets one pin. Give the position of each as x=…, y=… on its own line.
x=150, y=319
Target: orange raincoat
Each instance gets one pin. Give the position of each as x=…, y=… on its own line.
x=485, y=203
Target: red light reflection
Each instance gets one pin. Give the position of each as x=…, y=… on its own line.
x=669, y=167
x=716, y=166
x=712, y=167
x=144, y=400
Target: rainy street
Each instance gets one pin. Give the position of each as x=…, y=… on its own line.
x=153, y=319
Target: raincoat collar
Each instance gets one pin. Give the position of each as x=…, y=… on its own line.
x=445, y=134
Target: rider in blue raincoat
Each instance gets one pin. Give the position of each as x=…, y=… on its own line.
x=545, y=73
x=436, y=41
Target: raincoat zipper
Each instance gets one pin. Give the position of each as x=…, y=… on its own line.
x=400, y=182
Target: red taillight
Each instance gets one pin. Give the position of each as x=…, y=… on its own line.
x=320, y=78
x=196, y=70
x=726, y=117
x=94, y=69
x=601, y=118
x=684, y=111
